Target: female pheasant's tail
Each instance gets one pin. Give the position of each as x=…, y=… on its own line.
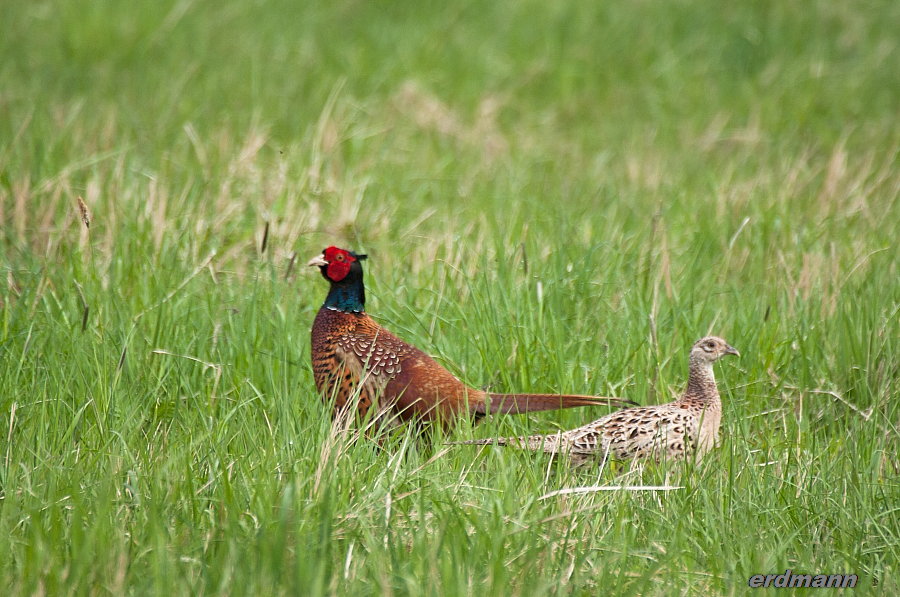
x=526, y=403
x=547, y=443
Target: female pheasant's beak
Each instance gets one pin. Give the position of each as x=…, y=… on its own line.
x=729, y=349
x=317, y=261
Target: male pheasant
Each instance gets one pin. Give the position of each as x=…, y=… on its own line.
x=673, y=430
x=362, y=365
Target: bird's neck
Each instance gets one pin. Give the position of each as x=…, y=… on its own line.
x=701, y=381
x=346, y=296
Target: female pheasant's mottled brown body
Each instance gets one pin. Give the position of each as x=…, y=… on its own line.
x=688, y=425
x=360, y=364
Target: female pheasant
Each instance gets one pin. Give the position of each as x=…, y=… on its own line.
x=690, y=424
x=362, y=365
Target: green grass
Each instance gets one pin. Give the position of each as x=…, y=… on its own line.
x=554, y=197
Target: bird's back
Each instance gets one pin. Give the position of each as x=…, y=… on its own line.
x=663, y=431
x=640, y=432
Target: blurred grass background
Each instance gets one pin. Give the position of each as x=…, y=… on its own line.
x=554, y=197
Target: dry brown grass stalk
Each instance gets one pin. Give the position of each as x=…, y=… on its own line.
x=83, y=211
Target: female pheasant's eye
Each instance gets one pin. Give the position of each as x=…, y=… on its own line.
x=710, y=345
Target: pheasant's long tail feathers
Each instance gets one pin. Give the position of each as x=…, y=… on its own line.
x=547, y=443
x=499, y=441
x=524, y=403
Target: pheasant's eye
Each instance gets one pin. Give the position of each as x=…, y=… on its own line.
x=710, y=345
x=339, y=257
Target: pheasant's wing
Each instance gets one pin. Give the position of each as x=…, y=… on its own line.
x=353, y=360
x=634, y=433
x=371, y=356
x=373, y=351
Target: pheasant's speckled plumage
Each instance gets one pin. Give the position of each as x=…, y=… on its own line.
x=358, y=362
x=687, y=425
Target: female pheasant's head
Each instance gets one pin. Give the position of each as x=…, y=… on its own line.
x=711, y=349
x=344, y=270
x=336, y=264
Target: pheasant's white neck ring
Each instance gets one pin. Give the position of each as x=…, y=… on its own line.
x=336, y=310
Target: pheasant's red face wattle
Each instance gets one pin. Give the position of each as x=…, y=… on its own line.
x=339, y=262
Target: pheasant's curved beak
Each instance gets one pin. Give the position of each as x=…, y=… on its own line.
x=317, y=261
x=731, y=350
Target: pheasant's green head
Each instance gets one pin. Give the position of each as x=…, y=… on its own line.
x=343, y=269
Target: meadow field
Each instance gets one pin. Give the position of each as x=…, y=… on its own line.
x=554, y=197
